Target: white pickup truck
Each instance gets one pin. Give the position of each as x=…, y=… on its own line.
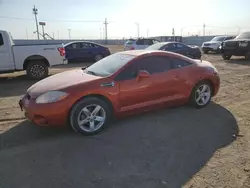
x=35, y=59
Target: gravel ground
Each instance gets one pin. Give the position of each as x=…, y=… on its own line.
x=180, y=147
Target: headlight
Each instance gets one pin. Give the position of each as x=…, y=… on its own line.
x=51, y=96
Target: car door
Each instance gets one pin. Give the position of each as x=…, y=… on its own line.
x=181, y=70
x=140, y=44
x=148, y=42
x=6, y=61
x=73, y=51
x=87, y=50
x=143, y=93
x=171, y=47
x=182, y=49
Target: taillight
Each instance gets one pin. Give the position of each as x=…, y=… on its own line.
x=62, y=51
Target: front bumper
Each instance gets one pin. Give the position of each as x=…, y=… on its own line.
x=207, y=48
x=53, y=114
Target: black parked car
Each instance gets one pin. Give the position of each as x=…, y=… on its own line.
x=193, y=52
x=239, y=46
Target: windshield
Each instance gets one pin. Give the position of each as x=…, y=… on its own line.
x=109, y=65
x=218, y=39
x=245, y=35
x=130, y=42
x=155, y=46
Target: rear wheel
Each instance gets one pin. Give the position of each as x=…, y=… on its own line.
x=201, y=94
x=205, y=51
x=37, y=70
x=90, y=115
x=226, y=56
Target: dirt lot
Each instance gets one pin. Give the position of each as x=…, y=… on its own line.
x=181, y=147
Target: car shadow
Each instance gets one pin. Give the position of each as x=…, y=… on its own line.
x=239, y=61
x=158, y=149
x=14, y=85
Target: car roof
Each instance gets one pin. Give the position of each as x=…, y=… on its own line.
x=145, y=52
x=81, y=42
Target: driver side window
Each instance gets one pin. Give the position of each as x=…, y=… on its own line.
x=129, y=73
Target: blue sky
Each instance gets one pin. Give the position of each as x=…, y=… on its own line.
x=158, y=17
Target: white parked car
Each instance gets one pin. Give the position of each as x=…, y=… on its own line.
x=139, y=44
x=214, y=44
x=35, y=59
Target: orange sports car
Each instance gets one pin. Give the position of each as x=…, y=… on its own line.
x=121, y=84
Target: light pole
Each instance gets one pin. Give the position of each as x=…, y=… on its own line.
x=43, y=24
x=138, y=29
x=69, y=33
x=35, y=12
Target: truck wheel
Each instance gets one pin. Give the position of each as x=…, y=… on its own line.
x=37, y=70
x=226, y=56
x=247, y=56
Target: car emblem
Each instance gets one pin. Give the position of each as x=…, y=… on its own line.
x=109, y=84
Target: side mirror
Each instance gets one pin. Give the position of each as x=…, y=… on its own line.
x=143, y=74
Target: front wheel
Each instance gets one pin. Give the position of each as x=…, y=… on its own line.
x=90, y=115
x=37, y=70
x=201, y=94
x=226, y=56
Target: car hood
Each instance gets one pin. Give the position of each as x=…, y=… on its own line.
x=193, y=46
x=60, y=81
x=213, y=42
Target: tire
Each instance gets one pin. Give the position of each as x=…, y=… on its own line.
x=205, y=51
x=226, y=56
x=247, y=56
x=98, y=57
x=194, y=95
x=37, y=70
x=77, y=114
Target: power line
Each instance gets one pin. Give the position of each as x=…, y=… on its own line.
x=49, y=20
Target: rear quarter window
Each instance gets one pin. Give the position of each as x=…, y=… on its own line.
x=1, y=39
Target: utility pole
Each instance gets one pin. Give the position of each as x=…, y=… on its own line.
x=35, y=12
x=204, y=31
x=106, y=31
x=138, y=29
x=69, y=33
